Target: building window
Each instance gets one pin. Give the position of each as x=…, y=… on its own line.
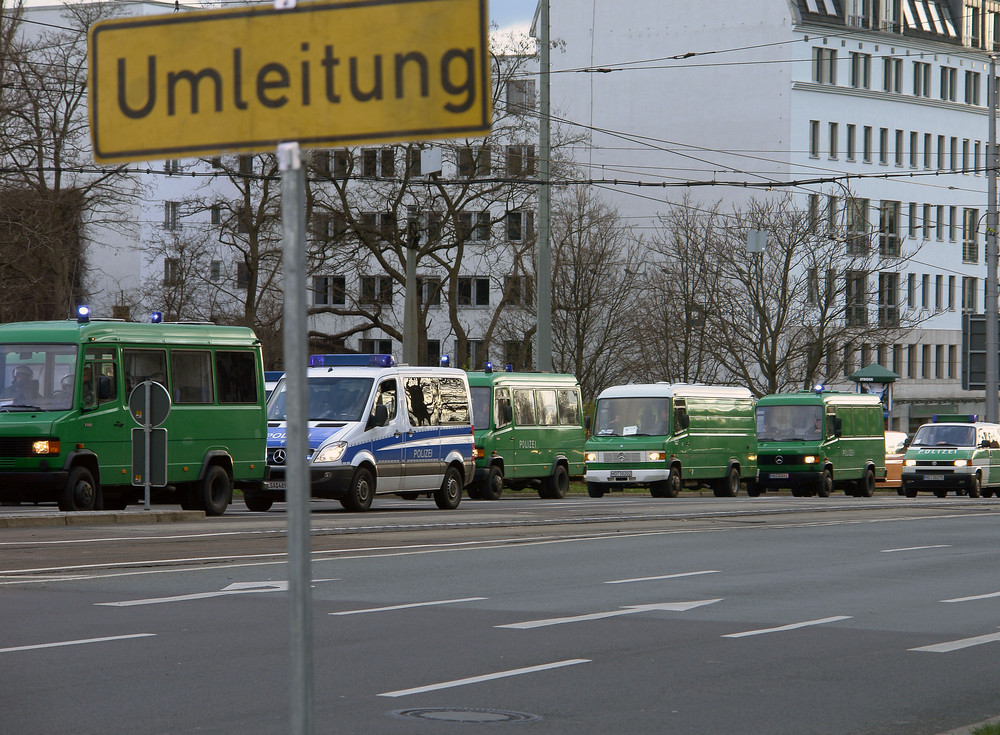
x=215, y=271
x=965, y=155
x=852, y=134
x=938, y=292
x=812, y=286
x=474, y=226
x=856, y=226
x=861, y=70
x=433, y=352
x=911, y=220
x=341, y=164
x=888, y=230
x=883, y=143
x=925, y=291
x=475, y=353
x=897, y=359
x=813, y=212
x=216, y=214
x=921, y=79
x=473, y=162
x=170, y=215
x=376, y=290
x=832, y=210
x=814, y=138
x=368, y=346
x=928, y=150
x=928, y=221
x=911, y=290
x=888, y=299
x=976, y=154
x=172, y=166
x=242, y=275
x=824, y=65
x=520, y=160
x=949, y=78
x=171, y=271
x=320, y=162
x=952, y=361
x=925, y=359
x=940, y=222
x=246, y=165
x=520, y=225
x=329, y=291
x=972, y=84
x=519, y=290
x=942, y=153
x=952, y=223
x=970, y=294
x=914, y=148
x=473, y=291
x=867, y=144
x=834, y=136
x=892, y=73
x=970, y=238
x=856, y=294
x=911, y=361
x=898, y=152
x=951, y=293
x=379, y=224
x=520, y=95
x=429, y=289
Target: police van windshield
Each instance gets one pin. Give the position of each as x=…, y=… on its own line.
x=37, y=377
x=481, y=405
x=632, y=417
x=330, y=399
x=789, y=423
x=944, y=435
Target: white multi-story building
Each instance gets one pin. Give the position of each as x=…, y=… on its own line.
x=892, y=93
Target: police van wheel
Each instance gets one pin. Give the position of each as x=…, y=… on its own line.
x=729, y=486
x=556, y=485
x=909, y=492
x=359, y=496
x=215, y=490
x=449, y=495
x=595, y=490
x=753, y=489
x=825, y=484
x=868, y=484
x=492, y=489
x=974, y=485
x=79, y=492
x=987, y=492
x=941, y=493
x=672, y=487
x=257, y=503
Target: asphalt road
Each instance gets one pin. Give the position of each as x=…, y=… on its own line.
x=697, y=615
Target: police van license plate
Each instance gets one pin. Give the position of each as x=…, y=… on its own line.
x=779, y=475
x=274, y=485
x=939, y=478
x=621, y=474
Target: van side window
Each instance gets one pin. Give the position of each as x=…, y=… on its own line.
x=191, y=371
x=569, y=408
x=143, y=365
x=681, y=420
x=545, y=402
x=386, y=397
x=236, y=377
x=502, y=410
x=100, y=378
x=454, y=401
x=433, y=401
x=524, y=407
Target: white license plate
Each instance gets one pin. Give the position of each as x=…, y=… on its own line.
x=275, y=485
x=621, y=474
x=934, y=477
x=779, y=475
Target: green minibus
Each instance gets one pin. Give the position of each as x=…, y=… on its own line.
x=815, y=441
x=666, y=436
x=528, y=431
x=66, y=430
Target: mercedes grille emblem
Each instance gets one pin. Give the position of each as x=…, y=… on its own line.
x=278, y=456
x=779, y=460
x=621, y=456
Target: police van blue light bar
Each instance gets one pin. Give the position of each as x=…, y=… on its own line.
x=508, y=368
x=488, y=367
x=83, y=314
x=351, y=361
x=156, y=317
x=445, y=361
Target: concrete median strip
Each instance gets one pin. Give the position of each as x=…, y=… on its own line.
x=97, y=518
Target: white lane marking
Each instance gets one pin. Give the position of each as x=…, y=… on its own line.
x=783, y=628
x=950, y=646
x=916, y=548
x=408, y=605
x=973, y=597
x=628, y=610
x=485, y=677
x=77, y=642
x=665, y=576
x=236, y=588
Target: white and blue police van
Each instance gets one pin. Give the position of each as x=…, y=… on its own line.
x=376, y=428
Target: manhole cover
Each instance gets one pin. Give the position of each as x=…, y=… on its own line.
x=451, y=714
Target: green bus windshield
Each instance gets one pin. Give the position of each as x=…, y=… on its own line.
x=643, y=416
x=789, y=423
x=37, y=377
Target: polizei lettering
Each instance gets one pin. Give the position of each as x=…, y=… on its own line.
x=317, y=78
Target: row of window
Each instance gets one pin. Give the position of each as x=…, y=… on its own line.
x=472, y=290
x=914, y=361
x=924, y=221
x=859, y=68
x=969, y=157
x=918, y=294
x=515, y=352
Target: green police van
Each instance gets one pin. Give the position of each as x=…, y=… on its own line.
x=956, y=453
x=814, y=442
x=667, y=436
x=66, y=429
x=528, y=431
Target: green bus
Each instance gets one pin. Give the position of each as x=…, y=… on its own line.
x=667, y=436
x=814, y=442
x=66, y=429
x=528, y=430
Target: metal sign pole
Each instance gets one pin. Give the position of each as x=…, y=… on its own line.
x=293, y=210
x=147, y=428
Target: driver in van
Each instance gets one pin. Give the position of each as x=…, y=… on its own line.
x=22, y=387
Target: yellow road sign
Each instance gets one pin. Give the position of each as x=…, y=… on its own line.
x=322, y=73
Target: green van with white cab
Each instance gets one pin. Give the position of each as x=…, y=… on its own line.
x=953, y=452
x=816, y=441
x=528, y=431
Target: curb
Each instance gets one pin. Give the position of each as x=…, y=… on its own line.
x=967, y=730
x=98, y=518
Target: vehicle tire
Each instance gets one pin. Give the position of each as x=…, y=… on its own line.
x=79, y=492
x=672, y=487
x=825, y=486
x=215, y=490
x=753, y=489
x=596, y=489
x=257, y=503
x=910, y=492
x=556, y=485
x=449, y=495
x=941, y=493
x=868, y=484
x=359, y=495
x=974, y=486
x=987, y=492
x=473, y=491
x=492, y=489
x=729, y=486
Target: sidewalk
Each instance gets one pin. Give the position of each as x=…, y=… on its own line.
x=36, y=519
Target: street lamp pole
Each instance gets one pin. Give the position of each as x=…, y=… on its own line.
x=992, y=304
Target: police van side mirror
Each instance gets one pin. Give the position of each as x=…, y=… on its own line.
x=586, y=423
x=838, y=426
x=985, y=444
x=379, y=418
x=508, y=414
